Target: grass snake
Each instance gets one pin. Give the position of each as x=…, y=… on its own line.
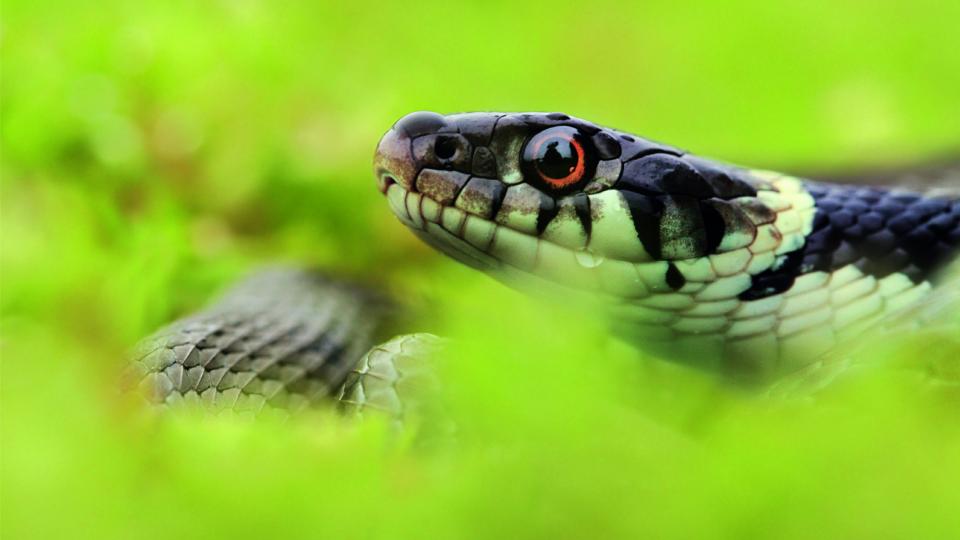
x=752, y=274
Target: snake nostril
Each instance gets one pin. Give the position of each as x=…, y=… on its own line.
x=445, y=147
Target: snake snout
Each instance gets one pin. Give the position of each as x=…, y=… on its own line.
x=393, y=162
x=408, y=143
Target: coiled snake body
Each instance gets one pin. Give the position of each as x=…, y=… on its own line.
x=745, y=272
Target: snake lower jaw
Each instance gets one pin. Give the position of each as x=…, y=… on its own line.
x=442, y=228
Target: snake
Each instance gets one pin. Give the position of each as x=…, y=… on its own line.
x=747, y=273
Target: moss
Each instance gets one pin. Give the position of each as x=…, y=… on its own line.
x=154, y=153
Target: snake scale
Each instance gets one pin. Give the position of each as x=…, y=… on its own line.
x=748, y=273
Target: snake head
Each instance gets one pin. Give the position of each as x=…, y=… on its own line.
x=556, y=197
x=711, y=260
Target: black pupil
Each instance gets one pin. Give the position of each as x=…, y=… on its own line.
x=446, y=147
x=556, y=158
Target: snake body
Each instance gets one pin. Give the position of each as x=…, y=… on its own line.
x=746, y=272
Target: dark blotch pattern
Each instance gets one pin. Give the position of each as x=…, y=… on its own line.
x=674, y=278
x=548, y=211
x=682, y=232
x=482, y=196
x=441, y=186
x=713, y=226
x=693, y=187
x=581, y=205
x=677, y=227
x=878, y=230
x=659, y=174
x=647, y=213
x=776, y=281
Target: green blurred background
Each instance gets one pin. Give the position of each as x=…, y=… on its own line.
x=152, y=152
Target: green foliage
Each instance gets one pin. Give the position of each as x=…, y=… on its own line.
x=154, y=152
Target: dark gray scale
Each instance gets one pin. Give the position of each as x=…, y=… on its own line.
x=878, y=230
x=424, y=123
x=659, y=173
x=484, y=163
x=635, y=147
x=538, y=122
x=727, y=182
x=606, y=145
x=476, y=127
x=663, y=174
x=482, y=196
x=883, y=231
x=441, y=186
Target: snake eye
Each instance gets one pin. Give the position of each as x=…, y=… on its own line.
x=559, y=159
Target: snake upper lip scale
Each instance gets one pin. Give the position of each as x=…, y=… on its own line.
x=726, y=267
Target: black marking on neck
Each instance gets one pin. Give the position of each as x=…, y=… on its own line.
x=548, y=211
x=714, y=226
x=581, y=205
x=646, y=213
x=674, y=278
x=776, y=280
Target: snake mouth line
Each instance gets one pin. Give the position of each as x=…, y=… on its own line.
x=442, y=227
x=512, y=255
x=385, y=180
